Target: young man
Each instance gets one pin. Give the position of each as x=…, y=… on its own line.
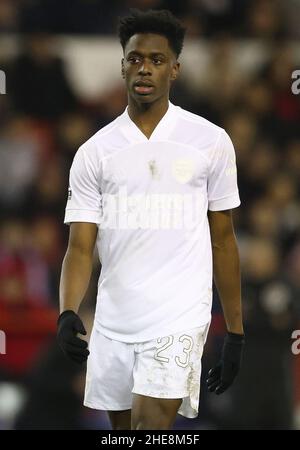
x=155, y=188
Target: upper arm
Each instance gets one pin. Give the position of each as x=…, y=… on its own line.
x=222, y=187
x=82, y=237
x=221, y=226
x=83, y=210
x=84, y=200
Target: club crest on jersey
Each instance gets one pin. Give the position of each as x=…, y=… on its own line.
x=183, y=170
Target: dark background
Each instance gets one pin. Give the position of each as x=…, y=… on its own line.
x=62, y=66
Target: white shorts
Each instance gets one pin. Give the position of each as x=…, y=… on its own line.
x=167, y=367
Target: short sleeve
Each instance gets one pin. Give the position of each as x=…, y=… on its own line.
x=222, y=184
x=84, y=195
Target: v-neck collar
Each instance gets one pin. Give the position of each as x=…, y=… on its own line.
x=161, y=131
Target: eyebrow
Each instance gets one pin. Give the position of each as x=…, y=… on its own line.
x=136, y=52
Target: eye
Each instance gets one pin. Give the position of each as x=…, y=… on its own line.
x=133, y=59
x=157, y=62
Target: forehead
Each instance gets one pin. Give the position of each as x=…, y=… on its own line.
x=147, y=43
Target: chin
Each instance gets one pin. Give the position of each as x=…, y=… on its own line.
x=144, y=98
x=147, y=98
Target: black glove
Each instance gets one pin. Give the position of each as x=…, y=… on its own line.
x=68, y=325
x=224, y=373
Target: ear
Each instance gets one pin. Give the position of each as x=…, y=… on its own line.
x=122, y=68
x=175, y=71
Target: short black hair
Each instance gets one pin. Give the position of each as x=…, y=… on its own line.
x=152, y=21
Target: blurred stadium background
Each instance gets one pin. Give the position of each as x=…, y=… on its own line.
x=62, y=65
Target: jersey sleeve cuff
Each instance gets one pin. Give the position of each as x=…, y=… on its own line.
x=81, y=215
x=232, y=201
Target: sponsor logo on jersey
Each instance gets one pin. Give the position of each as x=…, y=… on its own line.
x=153, y=169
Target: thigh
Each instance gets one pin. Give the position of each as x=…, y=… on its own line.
x=149, y=413
x=120, y=420
x=169, y=368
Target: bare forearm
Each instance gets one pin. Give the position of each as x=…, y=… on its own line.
x=75, y=277
x=227, y=278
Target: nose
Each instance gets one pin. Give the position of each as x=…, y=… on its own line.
x=144, y=69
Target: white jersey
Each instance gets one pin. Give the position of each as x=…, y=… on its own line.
x=149, y=198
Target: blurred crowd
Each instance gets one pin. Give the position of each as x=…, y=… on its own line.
x=251, y=18
x=43, y=121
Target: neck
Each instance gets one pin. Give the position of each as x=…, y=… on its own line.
x=147, y=115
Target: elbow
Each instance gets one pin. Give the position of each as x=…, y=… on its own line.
x=224, y=243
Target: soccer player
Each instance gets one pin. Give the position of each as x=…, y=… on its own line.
x=154, y=189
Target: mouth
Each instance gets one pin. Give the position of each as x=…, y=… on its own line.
x=143, y=87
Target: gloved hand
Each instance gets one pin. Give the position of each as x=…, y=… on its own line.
x=68, y=325
x=224, y=373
